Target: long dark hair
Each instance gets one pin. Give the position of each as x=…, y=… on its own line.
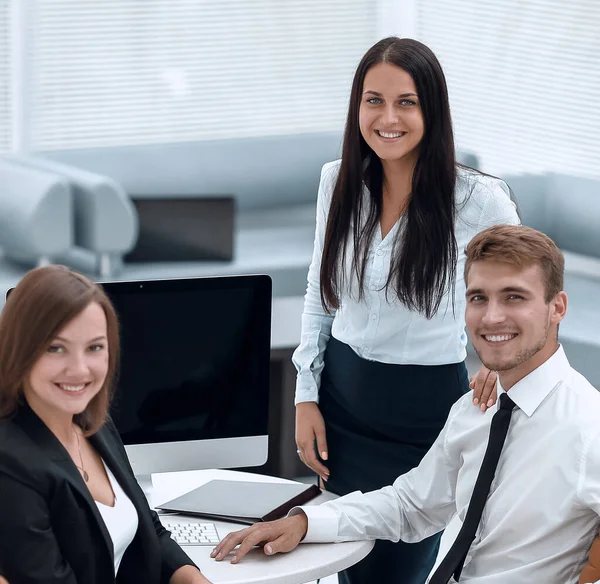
x=425, y=251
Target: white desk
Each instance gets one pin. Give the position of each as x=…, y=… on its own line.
x=306, y=563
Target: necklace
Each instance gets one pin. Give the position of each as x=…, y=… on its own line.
x=86, y=476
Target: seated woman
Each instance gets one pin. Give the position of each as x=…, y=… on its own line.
x=71, y=511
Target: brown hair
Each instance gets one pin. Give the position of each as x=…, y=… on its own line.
x=519, y=246
x=41, y=305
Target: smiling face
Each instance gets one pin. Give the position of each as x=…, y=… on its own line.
x=512, y=327
x=73, y=368
x=390, y=116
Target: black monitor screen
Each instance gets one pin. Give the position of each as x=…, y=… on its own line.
x=184, y=229
x=194, y=358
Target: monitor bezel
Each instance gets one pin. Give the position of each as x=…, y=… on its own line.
x=228, y=452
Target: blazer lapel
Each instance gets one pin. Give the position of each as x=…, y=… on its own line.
x=66, y=469
x=104, y=443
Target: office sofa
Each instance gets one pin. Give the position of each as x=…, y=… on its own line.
x=274, y=180
x=568, y=210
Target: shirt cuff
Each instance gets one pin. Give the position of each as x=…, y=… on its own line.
x=322, y=523
x=306, y=394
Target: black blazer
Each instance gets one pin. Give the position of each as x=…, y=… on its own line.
x=51, y=531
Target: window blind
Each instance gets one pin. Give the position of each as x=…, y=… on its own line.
x=524, y=80
x=131, y=72
x=5, y=76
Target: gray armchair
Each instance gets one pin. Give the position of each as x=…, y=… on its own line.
x=36, y=214
x=105, y=219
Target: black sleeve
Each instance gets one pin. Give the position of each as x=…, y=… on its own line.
x=173, y=557
x=29, y=553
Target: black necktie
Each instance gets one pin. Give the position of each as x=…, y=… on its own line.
x=452, y=564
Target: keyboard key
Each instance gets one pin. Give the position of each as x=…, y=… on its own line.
x=192, y=533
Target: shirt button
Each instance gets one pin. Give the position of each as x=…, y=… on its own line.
x=364, y=348
x=379, y=252
x=373, y=316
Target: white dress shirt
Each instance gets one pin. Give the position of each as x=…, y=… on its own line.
x=121, y=519
x=383, y=329
x=542, y=512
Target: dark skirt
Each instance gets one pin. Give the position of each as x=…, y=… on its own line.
x=381, y=419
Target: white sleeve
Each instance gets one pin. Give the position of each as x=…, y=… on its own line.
x=316, y=322
x=588, y=488
x=499, y=208
x=418, y=504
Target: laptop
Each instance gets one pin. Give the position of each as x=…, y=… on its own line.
x=184, y=229
x=242, y=501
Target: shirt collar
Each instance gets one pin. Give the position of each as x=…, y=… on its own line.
x=533, y=389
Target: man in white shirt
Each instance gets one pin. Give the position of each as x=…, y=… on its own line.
x=531, y=509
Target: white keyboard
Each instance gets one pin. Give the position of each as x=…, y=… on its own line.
x=191, y=533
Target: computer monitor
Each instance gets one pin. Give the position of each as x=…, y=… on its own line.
x=184, y=229
x=193, y=386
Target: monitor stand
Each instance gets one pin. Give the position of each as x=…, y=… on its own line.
x=146, y=484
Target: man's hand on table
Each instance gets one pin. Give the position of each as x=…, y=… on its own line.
x=278, y=536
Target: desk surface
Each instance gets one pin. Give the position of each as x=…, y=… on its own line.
x=305, y=564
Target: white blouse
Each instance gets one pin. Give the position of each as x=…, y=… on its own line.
x=121, y=520
x=382, y=329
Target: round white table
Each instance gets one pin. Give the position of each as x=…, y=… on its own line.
x=306, y=563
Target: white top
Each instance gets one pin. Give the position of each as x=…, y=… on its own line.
x=382, y=330
x=542, y=512
x=121, y=520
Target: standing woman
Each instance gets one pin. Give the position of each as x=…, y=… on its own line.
x=71, y=511
x=381, y=358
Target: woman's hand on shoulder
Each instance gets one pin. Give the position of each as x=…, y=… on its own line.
x=484, y=385
x=188, y=575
